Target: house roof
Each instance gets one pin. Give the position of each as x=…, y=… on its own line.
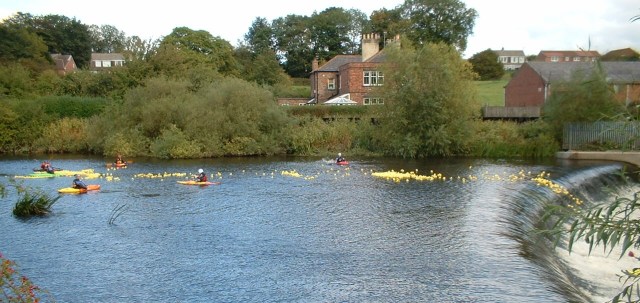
x=334, y=64
x=569, y=53
x=107, y=57
x=617, y=72
x=509, y=53
x=623, y=54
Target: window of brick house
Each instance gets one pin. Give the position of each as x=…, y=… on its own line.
x=372, y=101
x=555, y=58
x=373, y=78
x=331, y=84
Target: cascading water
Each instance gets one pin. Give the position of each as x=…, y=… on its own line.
x=578, y=274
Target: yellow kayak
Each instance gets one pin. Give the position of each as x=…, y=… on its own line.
x=72, y=190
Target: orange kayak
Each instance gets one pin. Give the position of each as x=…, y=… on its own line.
x=72, y=190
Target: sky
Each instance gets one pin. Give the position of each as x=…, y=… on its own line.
x=530, y=26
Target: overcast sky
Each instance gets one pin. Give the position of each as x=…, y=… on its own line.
x=530, y=26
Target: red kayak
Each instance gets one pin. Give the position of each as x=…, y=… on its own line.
x=343, y=163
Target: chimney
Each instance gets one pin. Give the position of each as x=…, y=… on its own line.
x=314, y=64
x=370, y=46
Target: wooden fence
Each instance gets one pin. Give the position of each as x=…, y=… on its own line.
x=601, y=135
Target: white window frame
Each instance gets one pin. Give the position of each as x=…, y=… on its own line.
x=372, y=78
x=372, y=101
x=331, y=84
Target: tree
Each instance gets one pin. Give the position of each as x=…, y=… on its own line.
x=259, y=38
x=486, y=65
x=447, y=21
x=586, y=97
x=65, y=36
x=430, y=101
x=185, y=48
x=293, y=40
x=107, y=39
x=386, y=23
x=19, y=44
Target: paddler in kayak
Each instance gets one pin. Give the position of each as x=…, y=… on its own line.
x=340, y=158
x=46, y=166
x=119, y=161
x=202, y=177
x=77, y=183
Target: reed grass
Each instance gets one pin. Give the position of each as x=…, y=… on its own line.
x=34, y=204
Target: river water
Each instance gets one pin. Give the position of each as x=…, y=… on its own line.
x=304, y=230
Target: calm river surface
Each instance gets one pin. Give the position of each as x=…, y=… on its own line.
x=285, y=230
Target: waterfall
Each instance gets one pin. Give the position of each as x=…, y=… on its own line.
x=580, y=276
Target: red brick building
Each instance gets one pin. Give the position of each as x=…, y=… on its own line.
x=567, y=56
x=352, y=75
x=64, y=64
x=533, y=83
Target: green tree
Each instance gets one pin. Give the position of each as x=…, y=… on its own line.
x=19, y=45
x=586, y=97
x=486, y=65
x=430, y=99
x=65, y=36
x=259, y=38
x=335, y=31
x=386, y=23
x=107, y=39
x=447, y=21
x=186, y=48
x=293, y=42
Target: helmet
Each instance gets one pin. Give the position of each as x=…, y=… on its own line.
x=200, y=171
x=339, y=154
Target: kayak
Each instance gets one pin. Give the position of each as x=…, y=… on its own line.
x=119, y=165
x=71, y=190
x=198, y=183
x=37, y=176
x=42, y=170
x=343, y=163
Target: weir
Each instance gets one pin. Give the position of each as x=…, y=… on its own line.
x=620, y=156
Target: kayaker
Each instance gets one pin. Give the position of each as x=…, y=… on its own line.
x=77, y=183
x=119, y=160
x=340, y=158
x=49, y=168
x=202, y=177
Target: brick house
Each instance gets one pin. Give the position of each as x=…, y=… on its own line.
x=64, y=64
x=352, y=75
x=567, y=56
x=102, y=61
x=624, y=54
x=511, y=59
x=532, y=85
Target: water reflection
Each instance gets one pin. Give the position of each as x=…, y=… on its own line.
x=331, y=234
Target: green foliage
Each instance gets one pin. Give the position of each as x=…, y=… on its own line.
x=18, y=44
x=430, y=102
x=174, y=144
x=73, y=107
x=486, y=65
x=587, y=97
x=504, y=139
x=33, y=204
x=610, y=225
x=16, y=288
x=188, y=48
x=313, y=136
x=15, y=81
x=65, y=135
x=439, y=21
